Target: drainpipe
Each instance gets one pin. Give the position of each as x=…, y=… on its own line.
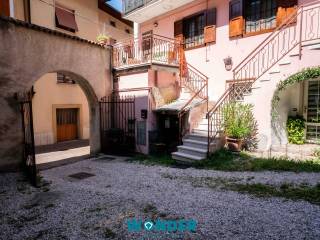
x=207, y=7
x=27, y=11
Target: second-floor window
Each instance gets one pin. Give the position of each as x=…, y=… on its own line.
x=193, y=30
x=247, y=17
x=260, y=15
x=65, y=19
x=197, y=30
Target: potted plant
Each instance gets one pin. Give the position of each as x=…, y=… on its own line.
x=103, y=39
x=238, y=124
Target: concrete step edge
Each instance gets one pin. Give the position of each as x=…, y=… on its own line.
x=192, y=149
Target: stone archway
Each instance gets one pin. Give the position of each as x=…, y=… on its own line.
x=27, y=52
x=279, y=112
x=93, y=104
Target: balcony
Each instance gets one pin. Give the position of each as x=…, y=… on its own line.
x=150, y=49
x=143, y=10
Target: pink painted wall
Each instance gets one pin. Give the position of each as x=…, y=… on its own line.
x=209, y=60
x=138, y=80
x=168, y=86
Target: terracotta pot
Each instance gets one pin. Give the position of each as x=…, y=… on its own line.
x=234, y=144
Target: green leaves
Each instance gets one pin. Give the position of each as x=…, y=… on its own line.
x=305, y=74
x=238, y=120
x=295, y=130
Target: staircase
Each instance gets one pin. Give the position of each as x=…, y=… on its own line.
x=275, y=59
x=194, y=93
x=195, y=144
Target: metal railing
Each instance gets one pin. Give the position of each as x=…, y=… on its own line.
x=150, y=48
x=131, y=5
x=300, y=27
x=197, y=83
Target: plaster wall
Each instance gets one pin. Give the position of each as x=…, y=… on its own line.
x=90, y=19
x=45, y=104
x=27, y=54
x=209, y=59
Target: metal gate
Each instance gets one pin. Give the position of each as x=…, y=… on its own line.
x=29, y=159
x=117, y=124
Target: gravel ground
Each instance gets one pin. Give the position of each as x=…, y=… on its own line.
x=98, y=207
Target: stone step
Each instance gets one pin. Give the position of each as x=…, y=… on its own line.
x=202, y=127
x=314, y=47
x=198, y=135
x=274, y=71
x=265, y=80
x=185, y=158
x=311, y=43
x=193, y=151
x=200, y=144
x=285, y=62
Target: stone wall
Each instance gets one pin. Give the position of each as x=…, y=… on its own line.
x=27, y=52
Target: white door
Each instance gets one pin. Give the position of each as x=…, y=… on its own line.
x=312, y=110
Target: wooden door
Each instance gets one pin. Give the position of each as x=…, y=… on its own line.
x=67, y=124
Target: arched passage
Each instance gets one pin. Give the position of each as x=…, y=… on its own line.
x=28, y=52
x=297, y=96
x=63, y=104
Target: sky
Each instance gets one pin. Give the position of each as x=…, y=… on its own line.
x=117, y=4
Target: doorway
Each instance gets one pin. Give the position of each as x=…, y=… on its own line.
x=312, y=110
x=67, y=124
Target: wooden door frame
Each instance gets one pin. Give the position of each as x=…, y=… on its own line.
x=79, y=120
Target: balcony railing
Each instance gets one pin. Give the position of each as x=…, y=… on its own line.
x=149, y=49
x=131, y=5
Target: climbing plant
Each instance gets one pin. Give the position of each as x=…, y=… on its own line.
x=306, y=74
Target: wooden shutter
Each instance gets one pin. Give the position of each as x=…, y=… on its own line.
x=65, y=19
x=236, y=19
x=178, y=36
x=5, y=8
x=147, y=41
x=285, y=9
x=178, y=30
x=210, y=28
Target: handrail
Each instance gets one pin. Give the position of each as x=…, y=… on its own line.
x=216, y=105
x=151, y=48
x=295, y=29
x=196, y=70
x=194, y=96
x=275, y=32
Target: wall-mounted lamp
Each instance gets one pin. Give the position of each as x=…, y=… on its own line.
x=155, y=24
x=228, y=63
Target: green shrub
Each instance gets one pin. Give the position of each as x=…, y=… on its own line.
x=295, y=130
x=238, y=120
